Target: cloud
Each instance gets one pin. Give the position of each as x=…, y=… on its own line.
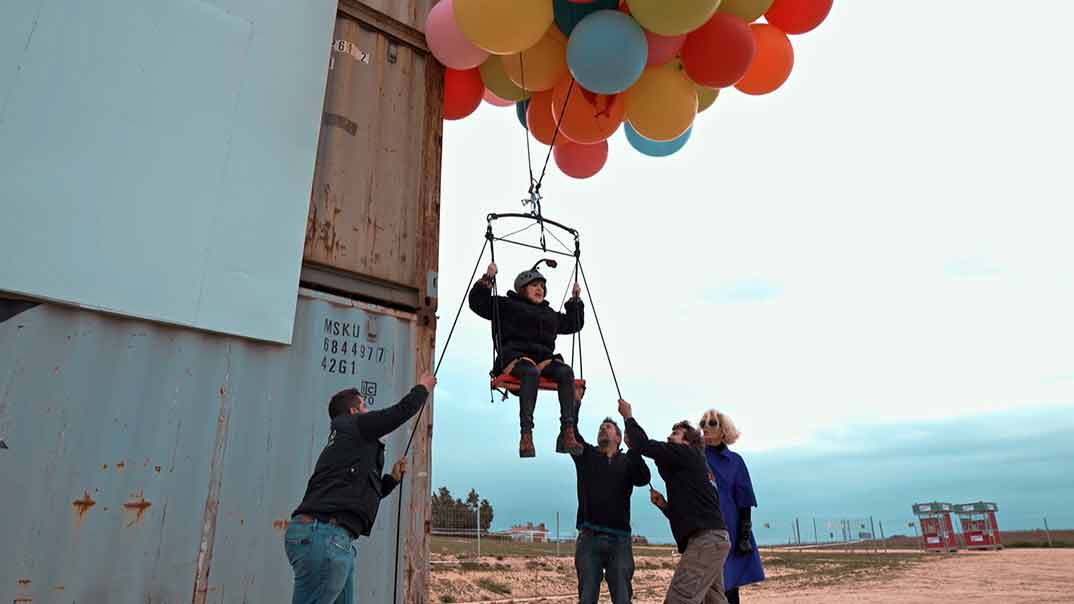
x=741, y=292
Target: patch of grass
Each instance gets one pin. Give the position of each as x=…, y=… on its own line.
x=827, y=569
x=447, y=599
x=493, y=586
x=470, y=566
x=1027, y=544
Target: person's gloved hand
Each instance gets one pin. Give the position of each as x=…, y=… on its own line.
x=745, y=532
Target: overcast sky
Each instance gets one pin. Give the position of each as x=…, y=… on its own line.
x=870, y=270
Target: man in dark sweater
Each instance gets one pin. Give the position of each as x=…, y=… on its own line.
x=692, y=507
x=606, y=477
x=344, y=493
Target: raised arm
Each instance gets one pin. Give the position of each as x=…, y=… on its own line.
x=573, y=317
x=639, y=470
x=375, y=424
x=481, y=294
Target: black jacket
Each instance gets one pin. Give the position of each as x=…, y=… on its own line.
x=347, y=483
x=526, y=329
x=605, y=485
x=693, y=503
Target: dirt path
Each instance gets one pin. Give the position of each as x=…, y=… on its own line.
x=1018, y=575
x=1021, y=575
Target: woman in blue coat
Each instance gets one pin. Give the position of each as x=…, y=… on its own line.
x=743, y=564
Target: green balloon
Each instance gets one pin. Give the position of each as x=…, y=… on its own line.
x=748, y=10
x=706, y=97
x=495, y=78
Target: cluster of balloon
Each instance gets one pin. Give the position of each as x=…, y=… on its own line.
x=576, y=70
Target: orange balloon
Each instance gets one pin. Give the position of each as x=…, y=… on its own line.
x=773, y=62
x=541, y=66
x=542, y=123
x=586, y=117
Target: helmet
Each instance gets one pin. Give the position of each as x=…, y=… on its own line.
x=526, y=277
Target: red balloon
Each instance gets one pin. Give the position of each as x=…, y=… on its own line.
x=662, y=48
x=718, y=53
x=463, y=90
x=580, y=161
x=798, y=16
x=773, y=63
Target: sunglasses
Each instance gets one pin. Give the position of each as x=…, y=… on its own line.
x=710, y=423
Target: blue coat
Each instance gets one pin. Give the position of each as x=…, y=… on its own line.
x=736, y=491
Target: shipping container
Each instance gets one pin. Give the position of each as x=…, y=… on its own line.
x=374, y=204
x=143, y=462
x=146, y=463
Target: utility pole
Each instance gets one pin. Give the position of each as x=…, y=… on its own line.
x=1047, y=533
x=872, y=532
x=477, y=512
x=557, y=534
x=882, y=537
x=798, y=531
x=816, y=540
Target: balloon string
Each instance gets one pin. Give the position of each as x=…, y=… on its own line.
x=526, y=121
x=555, y=135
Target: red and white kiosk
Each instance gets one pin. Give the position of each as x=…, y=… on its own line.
x=979, y=527
x=937, y=532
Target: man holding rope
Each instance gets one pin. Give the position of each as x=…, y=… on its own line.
x=606, y=478
x=692, y=507
x=344, y=493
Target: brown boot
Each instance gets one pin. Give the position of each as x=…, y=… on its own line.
x=525, y=445
x=570, y=441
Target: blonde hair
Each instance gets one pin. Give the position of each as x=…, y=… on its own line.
x=728, y=431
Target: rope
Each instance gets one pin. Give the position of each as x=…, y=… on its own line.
x=414, y=431
x=599, y=330
x=526, y=130
x=555, y=135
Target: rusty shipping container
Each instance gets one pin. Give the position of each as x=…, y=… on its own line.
x=145, y=463
x=374, y=205
x=148, y=463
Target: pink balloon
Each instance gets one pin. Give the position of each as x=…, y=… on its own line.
x=662, y=48
x=492, y=99
x=446, y=41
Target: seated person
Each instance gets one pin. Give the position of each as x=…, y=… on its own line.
x=527, y=328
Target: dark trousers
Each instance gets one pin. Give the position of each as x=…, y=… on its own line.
x=732, y=596
x=602, y=556
x=528, y=377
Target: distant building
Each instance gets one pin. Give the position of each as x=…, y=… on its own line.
x=528, y=533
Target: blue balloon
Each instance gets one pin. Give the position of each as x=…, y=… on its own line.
x=607, y=52
x=568, y=14
x=520, y=111
x=655, y=148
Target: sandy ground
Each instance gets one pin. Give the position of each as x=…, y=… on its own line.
x=1013, y=575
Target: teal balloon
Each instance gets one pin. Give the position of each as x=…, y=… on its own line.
x=655, y=148
x=520, y=112
x=607, y=52
x=568, y=14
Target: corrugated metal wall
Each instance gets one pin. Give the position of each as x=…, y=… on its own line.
x=152, y=464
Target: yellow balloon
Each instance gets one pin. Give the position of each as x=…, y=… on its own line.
x=706, y=97
x=503, y=27
x=496, y=80
x=662, y=104
x=671, y=17
x=539, y=67
x=749, y=10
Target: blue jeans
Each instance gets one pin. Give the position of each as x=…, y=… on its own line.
x=602, y=556
x=322, y=556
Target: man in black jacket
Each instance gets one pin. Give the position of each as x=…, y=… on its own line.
x=344, y=493
x=692, y=507
x=606, y=477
